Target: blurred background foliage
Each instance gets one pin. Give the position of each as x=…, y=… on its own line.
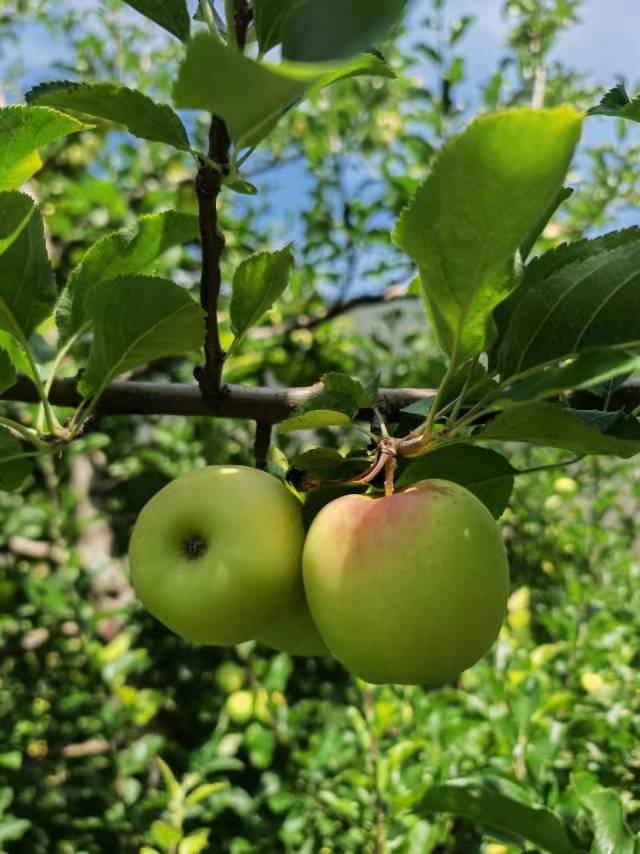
x=265, y=753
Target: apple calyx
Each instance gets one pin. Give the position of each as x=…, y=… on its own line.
x=194, y=546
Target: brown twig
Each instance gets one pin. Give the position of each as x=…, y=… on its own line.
x=311, y=322
x=208, y=186
x=262, y=444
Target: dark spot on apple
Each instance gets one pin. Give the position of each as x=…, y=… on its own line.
x=194, y=546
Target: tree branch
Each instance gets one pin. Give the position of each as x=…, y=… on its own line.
x=266, y=405
x=208, y=186
x=310, y=322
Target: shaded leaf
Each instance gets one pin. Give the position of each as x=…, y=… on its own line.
x=487, y=190
x=171, y=15
x=585, y=370
x=332, y=29
x=125, y=252
x=137, y=319
x=579, y=431
x=268, y=18
x=483, y=802
x=349, y=389
x=606, y=813
x=27, y=287
x=586, y=304
x=23, y=132
x=16, y=210
x=7, y=371
x=484, y=472
x=13, y=471
x=531, y=239
x=617, y=103
x=258, y=282
x=255, y=95
x=142, y=116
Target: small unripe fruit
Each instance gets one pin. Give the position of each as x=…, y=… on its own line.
x=410, y=588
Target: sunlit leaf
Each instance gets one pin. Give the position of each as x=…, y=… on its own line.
x=606, y=813
x=141, y=115
x=137, y=319
x=258, y=282
x=23, y=132
x=128, y=251
x=254, y=95
x=487, y=190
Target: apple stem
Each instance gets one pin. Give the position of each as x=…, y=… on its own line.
x=389, y=474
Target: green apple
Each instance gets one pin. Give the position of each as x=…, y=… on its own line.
x=292, y=629
x=411, y=588
x=216, y=553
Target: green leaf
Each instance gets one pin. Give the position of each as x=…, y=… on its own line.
x=258, y=282
x=137, y=319
x=321, y=30
x=268, y=18
x=201, y=793
x=7, y=371
x=350, y=390
x=612, y=834
x=483, y=802
x=12, y=829
x=165, y=835
x=142, y=116
x=27, y=287
x=13, y=472
x=579, y=431
x=195, y=842
x=261, y=744
x=244, y=188
x=617, y=103
x=170, y=782
x=171, y=15
x=6, y=798
x=23, y=131
x=531, y=239
x=128, y=251
x=326, y=464
x=589, y=368
x=16, y=210
x=254, y=95
x=484, y=472
x=335, y=406
x=585, y=304
x=314, y=420
x=487, y=190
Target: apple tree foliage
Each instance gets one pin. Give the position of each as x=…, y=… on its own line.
x=536, y=342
